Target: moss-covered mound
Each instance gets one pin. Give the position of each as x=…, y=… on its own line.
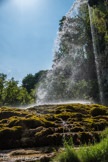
x=47, y=125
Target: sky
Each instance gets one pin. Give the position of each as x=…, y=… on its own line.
x=28, y=29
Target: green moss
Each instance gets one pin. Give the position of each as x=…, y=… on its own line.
x=96, y=110
x=63, y=115
x=45, y=132
x=99, y=126
x=3, y=121
x=10, y=133
x=28, y=129
x=77, y=129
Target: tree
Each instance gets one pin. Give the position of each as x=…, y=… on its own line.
x=2, y=84
x=13, y=95
x=30, y=81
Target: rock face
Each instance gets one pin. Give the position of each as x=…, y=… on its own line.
x=27, y=128
x=94, y=2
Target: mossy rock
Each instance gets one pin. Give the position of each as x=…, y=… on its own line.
x=29, y=123
x=14, y=132
x=3, y=121
x=28, y=142
x=95, y=111
x=85, y=137
x=77, y=129
x=45, y=132
x=7, y=114
x=49, y=124
x=63, y=115
x=10, y=137
x=55, y=139
x=24, y=128
x=99, y=126
x=46, y=138
x=59, y=130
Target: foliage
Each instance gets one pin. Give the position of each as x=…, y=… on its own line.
x=30, y=81
x=2, y=83
x=68, y=156
x=100, y=20
x=12, y=94
x=97, y=153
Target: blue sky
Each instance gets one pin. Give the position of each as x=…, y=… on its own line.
x=28, y=30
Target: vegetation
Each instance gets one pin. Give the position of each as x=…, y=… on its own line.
x=30, y=81
x=87, y=153
x=12, y=94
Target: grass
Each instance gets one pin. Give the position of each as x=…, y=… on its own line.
x=93, y=153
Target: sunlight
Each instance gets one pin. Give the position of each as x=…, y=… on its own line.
x=25, y=4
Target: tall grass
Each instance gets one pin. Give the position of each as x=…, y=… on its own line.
x=95, y=153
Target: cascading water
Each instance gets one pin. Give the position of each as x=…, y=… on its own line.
x=69, y=78
x=96, y=52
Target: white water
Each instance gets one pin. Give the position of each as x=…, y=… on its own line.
x=56, y=90
x=59, y=103
x=47, y=92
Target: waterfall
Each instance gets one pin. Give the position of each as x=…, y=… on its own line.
x=68, y=80
x=60, y=83
x=96, y=53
